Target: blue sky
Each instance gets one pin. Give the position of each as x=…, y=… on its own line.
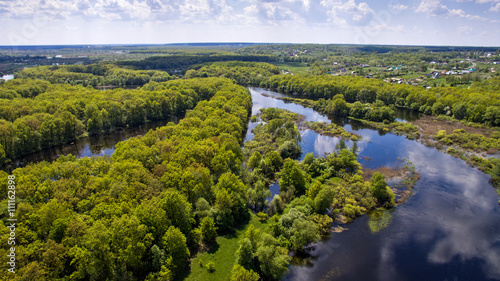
x=414, y=22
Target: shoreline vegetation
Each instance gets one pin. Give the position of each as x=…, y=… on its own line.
x=188, y=201
x=468, y=141
x=401, y=180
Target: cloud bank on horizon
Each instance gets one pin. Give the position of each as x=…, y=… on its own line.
x=414, y=22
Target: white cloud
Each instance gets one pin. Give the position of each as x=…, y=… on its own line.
x=348, y=12
x=398, y=7
x=495, y=8
x=328, y=21
x=196, y=10
x=274, y=13
x=306, y=4
x=435, y=8
x=432, y=7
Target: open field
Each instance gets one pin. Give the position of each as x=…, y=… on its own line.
x=294, y=67
x=223, y=257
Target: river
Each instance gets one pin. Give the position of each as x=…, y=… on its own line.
x=448, y=230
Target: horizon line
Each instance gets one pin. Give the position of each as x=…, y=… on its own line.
x=200, y=44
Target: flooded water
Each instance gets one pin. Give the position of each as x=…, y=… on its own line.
x=448, y=230
x=92, y=146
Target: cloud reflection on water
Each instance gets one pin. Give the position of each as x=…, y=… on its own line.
x=463, y=210
x=452, y=220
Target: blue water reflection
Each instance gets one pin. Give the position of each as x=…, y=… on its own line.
x=448, y=230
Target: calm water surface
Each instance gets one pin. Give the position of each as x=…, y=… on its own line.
x=92, y=146
x=448, y=230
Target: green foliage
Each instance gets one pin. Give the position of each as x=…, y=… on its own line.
x=303, y=232
x=239, y=273
x=185, y=60
x=60, y=114
x=254, y=160
x=244, y=73
x=275, y=159
x=468, y=140
x=279, y=134
x=289, y=149
x=381, y=191
x=323, y=222
x=130, y=216
x=230, y=202
x=479, y=104
x=174, y=243
x=177, y=210
x=93, y=75
x=292, y=181
x=257, y=194
x=492, y=116
x=343, y=161
x=460, y=110
x=262, y=216
x=245, y=255
x=332, y=130
x=3, y=158
x=277, y=205
x=273, y=259
x=224, y=255
x=324, y=199
x=210, y=267
x=208, y=230
x=440, y=134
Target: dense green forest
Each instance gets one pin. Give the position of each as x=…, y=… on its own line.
x=184, y=191
x=93, y=75
x=36, y=114
x=373, y=102
x=181, y=63
x=478, y=104
x=244, y=73
x=141, y=212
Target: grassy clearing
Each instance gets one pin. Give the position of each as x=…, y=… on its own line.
x=223, y=257
x=294, y=67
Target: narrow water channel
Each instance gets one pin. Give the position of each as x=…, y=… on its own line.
x=448, y=230
x=100, y=145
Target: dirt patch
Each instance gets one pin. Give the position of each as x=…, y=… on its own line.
x=430, y=125
x=400, y=180
x=387, y=172
x=338, y=229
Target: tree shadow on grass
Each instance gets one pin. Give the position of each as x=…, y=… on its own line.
x=212, y=247
x=183, y=274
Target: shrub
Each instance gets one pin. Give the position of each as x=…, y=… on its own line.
x=210, y=267
x=440, y=134
x=262, y=216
